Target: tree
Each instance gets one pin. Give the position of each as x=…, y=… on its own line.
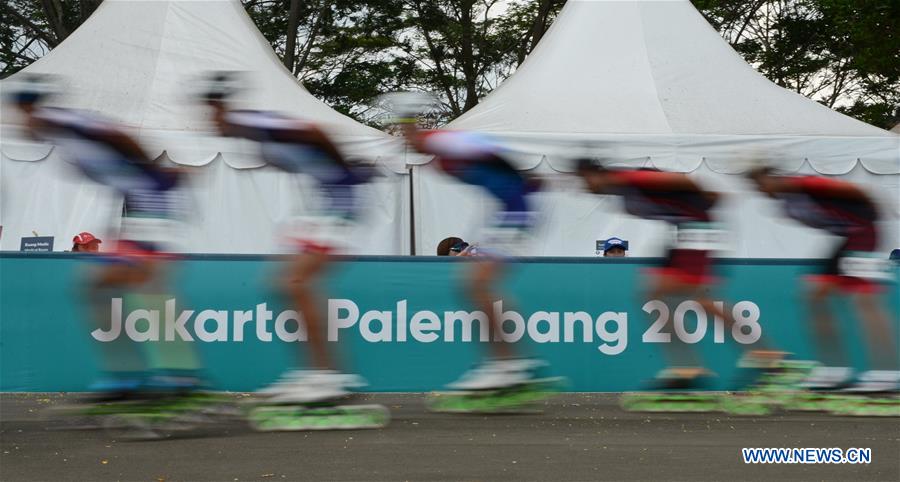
x=526, y=22
x=32, y=28
x=455, y=46
x=344, y=51
x=350, y=51
x=842, y=53
x=463, y=49
x=864, y=38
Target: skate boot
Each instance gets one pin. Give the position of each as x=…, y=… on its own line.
x=497, y=386
x=311, y=387
x=766, y=381
x=151, y=405
x=311, y=400
x=821, y=389
x=825, y=378
x=107, y=394
x=675, y=389
x=497, y=374
x=117, y=386
x=875, y=393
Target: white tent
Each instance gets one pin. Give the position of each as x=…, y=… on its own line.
x=139, y=62
x=651, y=83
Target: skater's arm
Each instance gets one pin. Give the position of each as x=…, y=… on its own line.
x=123, y=143
x=312, y=136
x=821, y=186
x=669, y=181
x=270, y=127
x=659, y=180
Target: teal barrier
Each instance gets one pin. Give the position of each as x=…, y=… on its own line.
x=402, y=323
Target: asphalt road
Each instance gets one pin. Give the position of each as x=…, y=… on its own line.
x=577, y=437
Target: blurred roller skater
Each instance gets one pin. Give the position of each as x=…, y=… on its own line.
x=854, y=269
x=148, y=389
x=505, y=381
x=304, y=399
x=686, y=273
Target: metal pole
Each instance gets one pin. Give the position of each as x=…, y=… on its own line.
x=412, y=214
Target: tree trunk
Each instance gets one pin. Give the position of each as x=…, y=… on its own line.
x=290, y=45
x=86, y=8
x=536, y=33
x=467, y=56
x=311, y=41
x=438, y=58
x=540, y=23
x=54, y=12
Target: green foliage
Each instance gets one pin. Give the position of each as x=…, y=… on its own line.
x=350, y=51
x=345, y=49
x=842, y=53
x=30, y=28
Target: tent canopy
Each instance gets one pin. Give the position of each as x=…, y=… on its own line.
x=642, y=82
x=652, y=84
x=140, y=62
x=652, y=80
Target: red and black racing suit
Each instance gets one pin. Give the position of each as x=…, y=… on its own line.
x=839, y=208
x=648, y=195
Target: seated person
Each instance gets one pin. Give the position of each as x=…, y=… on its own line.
x=454, y=246
x=615, y=248
x=85, y=242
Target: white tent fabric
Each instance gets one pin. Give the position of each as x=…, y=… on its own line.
x=139, y=62
x=654, y=79
x=229, y=210
x=255, y=220
x=646, y=83
x=50, y=199
x=650, y=83
x=571, y=220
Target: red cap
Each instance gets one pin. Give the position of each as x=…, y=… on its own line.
x=85, y=238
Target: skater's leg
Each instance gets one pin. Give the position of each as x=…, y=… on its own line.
x=481, y=288
x=834, y=373
x=117, y=281
x=502, y=370
x=303, y=273
x=763, y=353
x=682, y=359
x=882, y=339
x=318, y=382
x=175, y=365
x=824, y=326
